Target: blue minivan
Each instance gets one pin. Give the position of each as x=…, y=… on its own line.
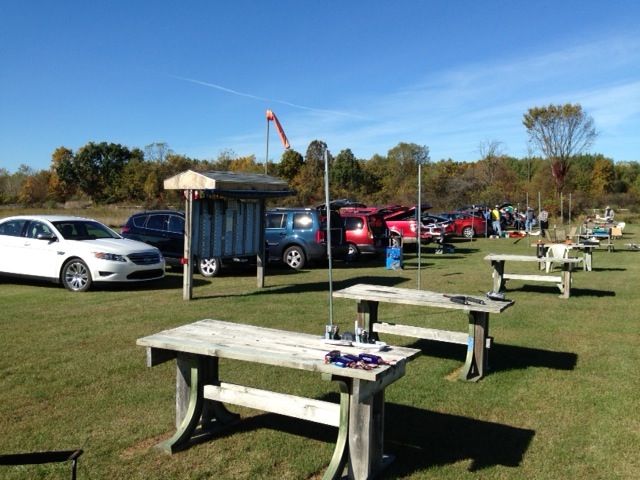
x=297, y=236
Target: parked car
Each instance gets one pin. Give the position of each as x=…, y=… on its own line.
x=437, y=225
x=402, y=224
x=366, y=232
x=76, y=252
x=297, y=236
x=164, y=229
x=466, y=225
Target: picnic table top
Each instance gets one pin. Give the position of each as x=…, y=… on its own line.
x=268, y=346
x=409, y=296
x=530, y=258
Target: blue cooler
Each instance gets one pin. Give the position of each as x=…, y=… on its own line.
x=394, y=258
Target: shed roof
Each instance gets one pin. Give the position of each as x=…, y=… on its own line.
x=229, y=183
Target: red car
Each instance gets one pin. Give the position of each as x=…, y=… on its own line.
x=402, y=223
x=366, y=232
x=466, y=225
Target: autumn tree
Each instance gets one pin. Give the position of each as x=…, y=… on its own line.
x=290, y=164
x=35, y=190
x=96, y=169
x=560, y=132
x=346, y=174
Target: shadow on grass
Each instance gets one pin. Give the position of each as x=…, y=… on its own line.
x=419, y=439
x=575, y=291
x=502, y=357
x=313, y=287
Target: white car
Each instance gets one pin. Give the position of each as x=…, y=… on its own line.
x=74, y=251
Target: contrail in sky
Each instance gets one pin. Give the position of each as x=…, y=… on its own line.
x=228, y=90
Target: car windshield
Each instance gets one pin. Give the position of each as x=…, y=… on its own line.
x=84, y=230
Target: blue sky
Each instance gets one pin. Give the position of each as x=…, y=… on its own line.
x=363, y=75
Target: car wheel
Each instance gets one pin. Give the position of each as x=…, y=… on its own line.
x=76, y=276
x=294, y=257
x=396, y=240
x=209, y=267
x=468, y=232
x=352, y=253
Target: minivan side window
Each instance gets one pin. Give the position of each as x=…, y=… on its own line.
x=276, y=220
x=353, y=223
x=302, y=221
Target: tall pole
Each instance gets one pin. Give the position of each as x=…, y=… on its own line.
x=266, y=159
x=329, y=256
x=419, y=226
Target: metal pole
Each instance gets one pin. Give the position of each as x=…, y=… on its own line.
x=419, y=226
x=266, y=159
x=327, y=204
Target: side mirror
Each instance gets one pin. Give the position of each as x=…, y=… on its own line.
x=46, y=236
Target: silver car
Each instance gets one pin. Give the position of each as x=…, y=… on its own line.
x=74, y=251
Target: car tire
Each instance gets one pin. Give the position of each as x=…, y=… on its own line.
x=209, y=267
x=294, y=257
x=468, y=232
x=352, y=253
x=76, y=276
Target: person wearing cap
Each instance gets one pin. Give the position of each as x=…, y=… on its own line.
x=528, y=219
x=495, y=221
x=608, y=214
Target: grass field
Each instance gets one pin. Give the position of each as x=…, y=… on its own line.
x=560, y=402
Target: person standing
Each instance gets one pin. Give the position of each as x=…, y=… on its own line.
x=528, y=219
x=544, y=221
x=495, y=221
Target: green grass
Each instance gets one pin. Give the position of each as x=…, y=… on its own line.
x=561, y=400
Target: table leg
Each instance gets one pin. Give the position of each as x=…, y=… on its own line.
x=193, y=372
x=367, y=315
x=588, y=258
x=477, y=360
x=566, y=280
x=498, y=275
x=366, y=431
x=341, y=452
x=190, y=365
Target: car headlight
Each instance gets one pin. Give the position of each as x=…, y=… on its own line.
x=114, y=257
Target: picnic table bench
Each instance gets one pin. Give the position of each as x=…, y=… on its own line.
x=477, y=339
x=563, y=281
x=200, y=394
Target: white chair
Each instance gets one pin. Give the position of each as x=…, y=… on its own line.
x=556, y=251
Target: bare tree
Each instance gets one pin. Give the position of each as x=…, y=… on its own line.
x=491, y=152
x=560, y=132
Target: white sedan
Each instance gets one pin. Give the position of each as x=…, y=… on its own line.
x=74, y=251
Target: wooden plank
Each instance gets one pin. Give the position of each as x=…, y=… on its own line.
x=529, y=258
x=408, y=296
x=318, y=411
x=461, y=338
x=533, y=278
x=263, y=345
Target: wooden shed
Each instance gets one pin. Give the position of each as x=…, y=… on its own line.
x=224, y=216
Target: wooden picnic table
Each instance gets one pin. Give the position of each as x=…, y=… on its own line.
x=563, y=281
x=477, y=339
x=198, y=348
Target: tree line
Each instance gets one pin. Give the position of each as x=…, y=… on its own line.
x=109, y=173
